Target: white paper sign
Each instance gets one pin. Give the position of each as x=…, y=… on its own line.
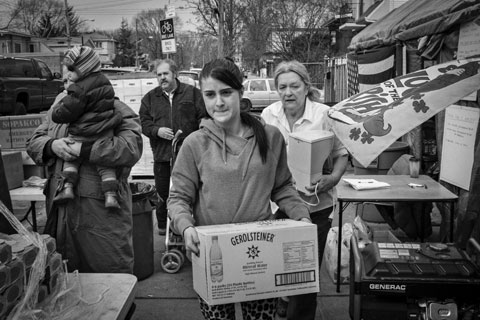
x=170, y=11
x=468, y=40
x=458, y=145
x=169, y=46
x=468, y=46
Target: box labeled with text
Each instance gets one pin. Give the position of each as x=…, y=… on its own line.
x=257, y=260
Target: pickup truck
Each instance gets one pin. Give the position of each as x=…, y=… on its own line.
x=27, y=85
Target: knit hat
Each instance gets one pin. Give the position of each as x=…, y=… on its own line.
x=84, y=59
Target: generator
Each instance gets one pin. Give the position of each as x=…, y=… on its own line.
x=414, y=281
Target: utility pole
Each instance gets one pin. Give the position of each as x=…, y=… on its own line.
x=136, y=44
x=67, y=24
x=221, y=23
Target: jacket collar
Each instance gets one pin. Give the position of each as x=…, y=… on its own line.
x=307, y=115
x=179, y=89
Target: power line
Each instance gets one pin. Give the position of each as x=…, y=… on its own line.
x=108, y=5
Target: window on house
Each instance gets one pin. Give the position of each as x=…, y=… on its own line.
x=17, y=47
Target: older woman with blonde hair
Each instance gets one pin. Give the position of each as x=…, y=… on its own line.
x=299, y=109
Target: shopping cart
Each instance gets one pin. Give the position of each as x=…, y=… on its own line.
x=174, y=256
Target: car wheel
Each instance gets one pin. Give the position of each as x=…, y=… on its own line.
x=20, y=109
x=245, y=105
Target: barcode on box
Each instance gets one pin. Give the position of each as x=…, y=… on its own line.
x=284, y=279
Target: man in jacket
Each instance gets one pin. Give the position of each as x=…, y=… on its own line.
x=168, y=114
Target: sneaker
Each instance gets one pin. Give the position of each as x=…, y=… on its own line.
x=162, y=231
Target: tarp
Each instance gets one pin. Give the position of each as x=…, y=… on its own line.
x=415, y=19
x=369, y=122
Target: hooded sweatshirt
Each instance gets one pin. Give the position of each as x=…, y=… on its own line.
x=219, y=178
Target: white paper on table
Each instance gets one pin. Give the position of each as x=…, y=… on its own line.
x=458, y=145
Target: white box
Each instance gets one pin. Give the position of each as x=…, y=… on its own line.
x=133, y=102
x=260, y=260
x=118, y=88
x=116, y=83
x=148, y=85
x=132, y=87
x=307, y=152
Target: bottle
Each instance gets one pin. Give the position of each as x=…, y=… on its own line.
x=216, y=263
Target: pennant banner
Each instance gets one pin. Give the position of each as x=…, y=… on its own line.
x=370, y=121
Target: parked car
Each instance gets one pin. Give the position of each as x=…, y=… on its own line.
x=189, y=77
x=258, y=93
x=116, y=71
x=27, y=85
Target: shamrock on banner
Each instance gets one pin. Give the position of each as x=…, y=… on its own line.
x=370, y=121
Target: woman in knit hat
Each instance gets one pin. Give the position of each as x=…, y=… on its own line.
x=89, y=111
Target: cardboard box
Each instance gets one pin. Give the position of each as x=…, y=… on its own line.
x=15, y=130
x=307, y=152
x=13, y=166
x=257, y=260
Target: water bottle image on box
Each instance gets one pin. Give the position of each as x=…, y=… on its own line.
x=216, y=263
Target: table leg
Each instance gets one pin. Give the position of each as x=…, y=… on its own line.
x=339, y=243
x=33, y=211
x=452, y=219
x=34, y=216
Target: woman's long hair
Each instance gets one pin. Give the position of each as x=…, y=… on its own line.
x=226, y=71
x=295, y=66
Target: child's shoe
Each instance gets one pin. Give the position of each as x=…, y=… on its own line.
x=66, y=193
x=111, y=200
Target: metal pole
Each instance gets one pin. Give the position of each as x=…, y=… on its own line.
x=220, y=28
x=136, y=44
x=67, y=24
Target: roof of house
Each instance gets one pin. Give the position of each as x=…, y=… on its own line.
x=14, y=33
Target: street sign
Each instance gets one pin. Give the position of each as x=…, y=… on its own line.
x=169, y=46
x=167, y=34
x=170, y=11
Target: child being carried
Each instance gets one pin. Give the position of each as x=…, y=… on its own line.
x=89, y=110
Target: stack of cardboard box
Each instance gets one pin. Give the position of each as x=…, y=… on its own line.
x=14, y=133
x=131, y=91
x=17, y=256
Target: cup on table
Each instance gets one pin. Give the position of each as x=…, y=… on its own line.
x=414, y=167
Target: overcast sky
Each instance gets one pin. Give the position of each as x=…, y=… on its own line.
x=108, y=14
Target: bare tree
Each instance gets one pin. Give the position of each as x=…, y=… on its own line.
x=9, y=14
x=146, y=24
x=257, y=19
x=37, y=17
x=207, y=12
x=299, y=18
x=195, y=49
